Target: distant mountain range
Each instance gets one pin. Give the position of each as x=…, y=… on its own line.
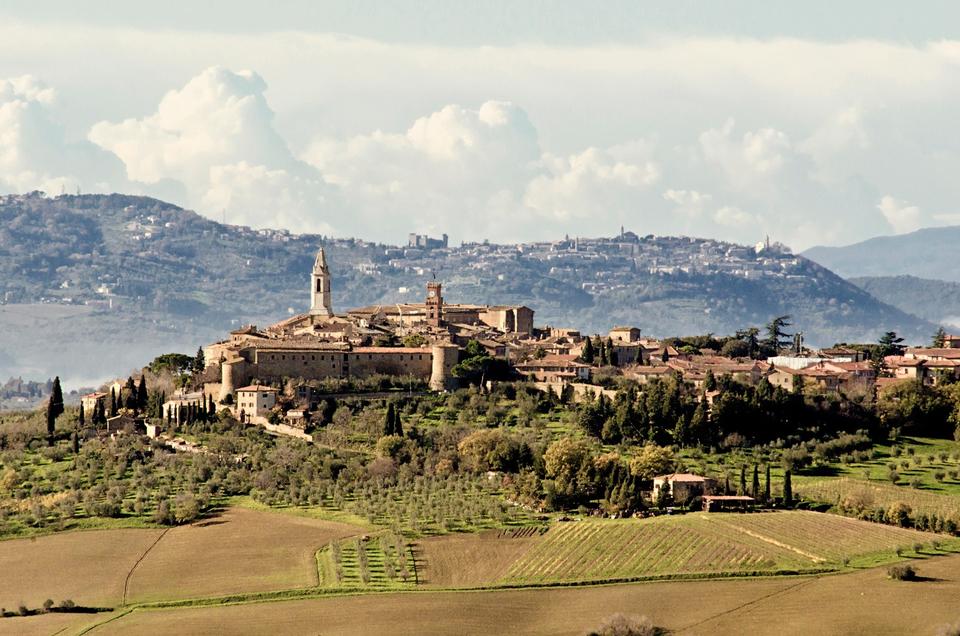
x=929, y=253
x=935, y=300
x=94, y=285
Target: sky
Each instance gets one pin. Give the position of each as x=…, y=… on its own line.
x=813, y=123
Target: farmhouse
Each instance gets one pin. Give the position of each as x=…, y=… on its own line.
x=683, y=486
x=255, y=401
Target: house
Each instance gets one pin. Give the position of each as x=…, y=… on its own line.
x=90, y=401
x=555, y=368
x=683, y=486
x=625, y=334
x=175, y=408
x=818, y=375
x=255, y=400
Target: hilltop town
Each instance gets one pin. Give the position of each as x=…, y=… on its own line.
x=108, y=263
x=272, y=375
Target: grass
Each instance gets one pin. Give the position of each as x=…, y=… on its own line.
x=383, y=561
x=706, y=544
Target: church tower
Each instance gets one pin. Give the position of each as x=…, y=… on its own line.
x=320, y=287
x=434, y=304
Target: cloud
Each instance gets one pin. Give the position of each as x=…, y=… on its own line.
x=813, y=136
x=732, y=216
x=901, y=216
x=749, y=161
x=34, y=151
x=216, y=138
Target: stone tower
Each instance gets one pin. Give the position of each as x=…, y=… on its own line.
x=434, y=304
x=444, y=358
x=320, y=287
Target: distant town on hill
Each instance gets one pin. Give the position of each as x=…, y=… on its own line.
x=140, y=276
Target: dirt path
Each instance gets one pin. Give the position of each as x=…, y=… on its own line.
x=126, y=581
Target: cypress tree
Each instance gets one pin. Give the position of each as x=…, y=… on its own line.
x=787, y=488
x=51, y=421
x=588, y=352
x=743, y=481
x=56, y=398
x=397, y=424
x=75, y=439
x=388, y=419
x=80, y=416
x=142, y=394
x=766, y=486
x=113, y=402
x=755, y=491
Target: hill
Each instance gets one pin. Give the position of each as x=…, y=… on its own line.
x=935, y=300
x=926, y=253
x=131, y=277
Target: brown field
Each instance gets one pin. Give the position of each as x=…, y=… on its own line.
x=464, y=560
x=864, y=602
x=239, y=551
x=87, y=567
x=47, y=624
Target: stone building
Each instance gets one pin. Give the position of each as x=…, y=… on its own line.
x=255, y=401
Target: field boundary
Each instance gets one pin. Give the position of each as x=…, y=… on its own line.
x=300, y=594
x=126, y=581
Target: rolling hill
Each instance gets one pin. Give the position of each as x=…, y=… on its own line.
x=94, y=285
x=927, y=253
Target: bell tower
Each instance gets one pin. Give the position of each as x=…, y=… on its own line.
x=434, y=304
x=320, y=287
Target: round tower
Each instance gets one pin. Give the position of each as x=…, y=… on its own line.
x=444, y=358
x=226, y=380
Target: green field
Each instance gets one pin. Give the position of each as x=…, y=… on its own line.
x=707, y=544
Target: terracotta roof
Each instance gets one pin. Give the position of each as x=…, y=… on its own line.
x=260, y=388
x=727, y=498
x=684, y=478
x=391, y=350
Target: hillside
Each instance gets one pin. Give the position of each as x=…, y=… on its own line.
x=935, y=300
x=926, y=253
x=132, y=277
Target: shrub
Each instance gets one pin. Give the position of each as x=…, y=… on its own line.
x=902, y=573
x=939, y=475
x=47, y=604
x=622, y=625
x=916, y=482
x=949, y=630
x=67, y=604
x=917, y=547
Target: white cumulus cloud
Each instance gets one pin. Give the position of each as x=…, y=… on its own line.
x=216, y=138
x=901, y=216
x=34, y=151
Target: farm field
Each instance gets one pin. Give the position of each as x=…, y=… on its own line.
x=880, y=494
x=852, y=603
x=474, y=559
x=97, y=562
x=701, y=543
x=239, y=551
